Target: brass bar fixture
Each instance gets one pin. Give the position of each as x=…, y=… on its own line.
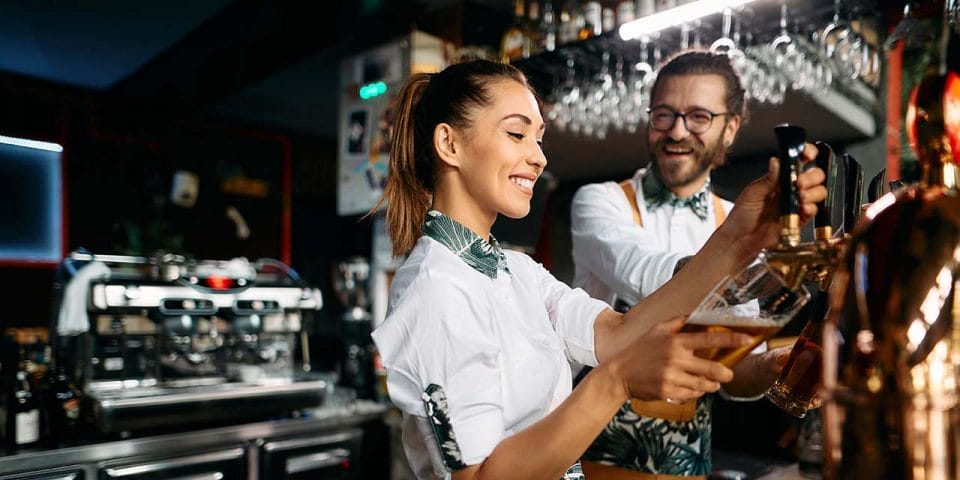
x=892, y=342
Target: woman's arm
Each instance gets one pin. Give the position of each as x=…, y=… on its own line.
x=753, y=224
x=661, y=364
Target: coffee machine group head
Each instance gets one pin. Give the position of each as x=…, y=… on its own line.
x=351, y=282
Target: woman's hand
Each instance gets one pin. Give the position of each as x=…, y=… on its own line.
x=754, y=222
x=661, y=365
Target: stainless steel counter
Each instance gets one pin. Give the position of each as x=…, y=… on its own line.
x=320, y=419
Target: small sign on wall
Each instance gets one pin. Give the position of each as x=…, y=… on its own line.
x=369, y=82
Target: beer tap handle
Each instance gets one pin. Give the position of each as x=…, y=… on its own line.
x=878, y=186
x=823, y=221
x=854, y=193
x=790, y=139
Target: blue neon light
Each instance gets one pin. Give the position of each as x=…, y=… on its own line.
x=30, y=199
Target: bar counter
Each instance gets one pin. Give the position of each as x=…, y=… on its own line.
x=247, y=439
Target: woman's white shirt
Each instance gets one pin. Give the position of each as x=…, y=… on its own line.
x=497, y=349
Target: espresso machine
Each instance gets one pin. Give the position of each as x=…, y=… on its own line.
x=172, y=341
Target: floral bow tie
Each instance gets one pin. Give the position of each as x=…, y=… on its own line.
x=657, y=195
x=696, y=203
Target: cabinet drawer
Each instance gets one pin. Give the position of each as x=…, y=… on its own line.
x=325, y=456
x=230, y=464
x=66, y=473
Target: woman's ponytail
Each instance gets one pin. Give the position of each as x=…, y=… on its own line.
x=405, y=194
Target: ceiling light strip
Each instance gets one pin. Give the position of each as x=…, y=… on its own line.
x=675, y=16
x=22, y=142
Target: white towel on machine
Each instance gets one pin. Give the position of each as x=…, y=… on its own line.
x=73, y=318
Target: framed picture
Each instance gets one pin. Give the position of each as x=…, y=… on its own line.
x=357, y=131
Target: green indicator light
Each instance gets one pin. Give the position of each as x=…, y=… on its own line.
x=372, y=90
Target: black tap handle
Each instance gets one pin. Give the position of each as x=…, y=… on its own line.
x=791, y=140
x=854, y=190
x=878, y=186
x=826, y=161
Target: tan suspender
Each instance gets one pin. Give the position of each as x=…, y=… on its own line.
x=631, y=194
x=718, y=210
x=659, y=409
x=627, y=186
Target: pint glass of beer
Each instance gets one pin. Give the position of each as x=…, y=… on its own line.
x=796, y=389
x=757, y=301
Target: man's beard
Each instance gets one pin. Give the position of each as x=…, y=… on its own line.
x=676, y=175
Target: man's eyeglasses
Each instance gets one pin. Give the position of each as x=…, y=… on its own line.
x=695, y=121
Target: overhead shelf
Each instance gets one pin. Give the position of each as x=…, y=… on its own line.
x=844, y=113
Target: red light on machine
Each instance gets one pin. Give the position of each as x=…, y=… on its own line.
x=220, y=283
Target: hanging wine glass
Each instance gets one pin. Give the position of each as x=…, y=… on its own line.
x=786, y=56
x=725, y=43
x=621, y=108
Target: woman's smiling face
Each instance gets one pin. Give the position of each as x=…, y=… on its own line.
x=502, y=155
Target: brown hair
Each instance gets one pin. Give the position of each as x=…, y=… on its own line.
x=702, y=62
x=425, y=101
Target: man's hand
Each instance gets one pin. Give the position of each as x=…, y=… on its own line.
x=757, y=372
x=754, y=222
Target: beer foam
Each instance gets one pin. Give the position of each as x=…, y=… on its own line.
x=728, y=319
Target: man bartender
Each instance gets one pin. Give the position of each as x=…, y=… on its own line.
x=630, y=237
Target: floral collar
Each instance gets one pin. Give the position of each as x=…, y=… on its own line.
x=484, y=257
x=655, y=195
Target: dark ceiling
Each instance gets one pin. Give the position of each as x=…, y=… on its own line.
x=268, y=63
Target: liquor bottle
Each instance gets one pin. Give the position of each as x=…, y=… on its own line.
x=548, y=28
x=533, y=27
x=592, y=20
x=626, y=12
x=646, y=8
x=568, y=29
x=35, y=364
x=22, y=416
x=61, y=405
x=515, y=43
x=608, y=20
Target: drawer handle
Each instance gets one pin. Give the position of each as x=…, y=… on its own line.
x=120, y=472
x=201, y=476
x=281, y=445
x=316, y=461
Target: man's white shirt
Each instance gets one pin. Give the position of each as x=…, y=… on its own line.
x=616, y=258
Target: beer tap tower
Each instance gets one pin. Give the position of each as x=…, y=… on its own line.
x=813, y=261
x=796, y=391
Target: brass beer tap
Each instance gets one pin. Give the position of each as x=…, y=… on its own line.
x=796, y=390
x=808, y=262
x=891, y=346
